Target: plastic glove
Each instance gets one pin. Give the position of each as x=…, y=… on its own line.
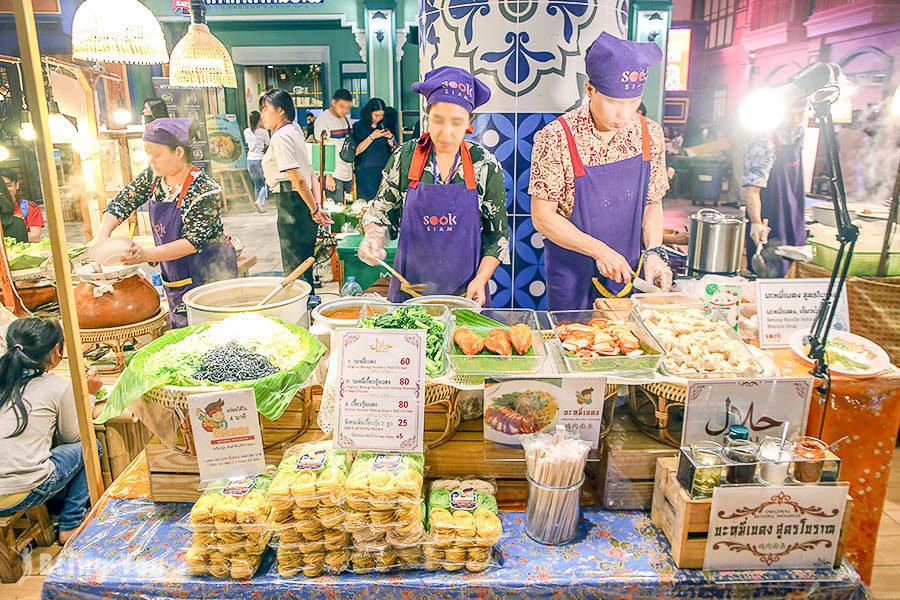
x=657, y=272
x=371, y=249
x=759, y=233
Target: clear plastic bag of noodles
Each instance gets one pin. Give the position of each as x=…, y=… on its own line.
x=236, y=511
x=384, y=491
x=310, y=476
x=230, y=528
x=463, y=525
x=459, y=557
x=312, y=559
x=386, y=560
x=408, y=531
x=223, y=561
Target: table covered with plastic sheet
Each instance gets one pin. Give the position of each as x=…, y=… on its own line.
x=133, y=548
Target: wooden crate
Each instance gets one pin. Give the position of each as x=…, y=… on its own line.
x=625, y=474
x=685, y=521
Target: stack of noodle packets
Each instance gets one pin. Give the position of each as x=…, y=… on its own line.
x=463, y=525
x=307, y=496
x=230, y=524
x=386, y=511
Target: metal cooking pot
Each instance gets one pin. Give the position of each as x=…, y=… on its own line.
x=221, y=299
x=716, y=242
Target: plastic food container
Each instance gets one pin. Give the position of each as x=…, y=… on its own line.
x=450, y=302
x=437, y=311
x=667, y=301
x=489, y=364
x=716, y=317
x=620, y=365
x=342, y=312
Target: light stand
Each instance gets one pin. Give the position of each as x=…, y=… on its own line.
x=848, y=233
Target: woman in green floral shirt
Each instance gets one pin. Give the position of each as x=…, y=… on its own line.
x=443, y=197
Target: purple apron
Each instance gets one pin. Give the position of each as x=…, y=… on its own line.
x=609, y=206
x=440, y=233
x=782, y=203
x=215, y=261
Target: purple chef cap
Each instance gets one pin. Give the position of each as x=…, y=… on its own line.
x=171, y=131
x=617, y=67
x=454, y=85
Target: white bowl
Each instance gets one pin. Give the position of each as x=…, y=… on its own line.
x=110, y=252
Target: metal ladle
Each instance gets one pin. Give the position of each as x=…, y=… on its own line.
x=758, y=262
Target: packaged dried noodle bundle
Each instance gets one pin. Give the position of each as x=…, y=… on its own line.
x=311, y=476
x=463, y=525
x=230, y=529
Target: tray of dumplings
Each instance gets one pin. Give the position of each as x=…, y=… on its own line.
x=463, y=525
x=230, y=528
x=699, y=345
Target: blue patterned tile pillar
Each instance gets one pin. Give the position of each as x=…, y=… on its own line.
x=531, y=54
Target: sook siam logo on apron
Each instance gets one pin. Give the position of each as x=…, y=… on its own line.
x=440, y=223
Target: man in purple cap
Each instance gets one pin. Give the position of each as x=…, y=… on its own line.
x=444, y=197
x=598, y=175
x=184, y=205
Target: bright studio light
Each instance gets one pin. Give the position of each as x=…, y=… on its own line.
x=27, y=132
x=122, y=116
x=763, y=110
x=4, y=153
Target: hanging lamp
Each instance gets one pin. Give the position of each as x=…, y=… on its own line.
x=62, y=129
x=122, y=31
x=199, y=59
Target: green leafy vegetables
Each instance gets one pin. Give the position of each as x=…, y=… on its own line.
x=416, y=317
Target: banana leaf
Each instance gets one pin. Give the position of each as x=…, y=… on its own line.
x=273, y=393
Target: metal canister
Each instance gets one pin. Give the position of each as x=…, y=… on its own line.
x=716, y=242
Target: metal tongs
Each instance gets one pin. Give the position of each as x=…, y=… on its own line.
x=413, y=289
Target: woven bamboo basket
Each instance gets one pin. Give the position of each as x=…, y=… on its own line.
x=174, y=399
x=874, y=306
x=440, y=397
x=659, y=411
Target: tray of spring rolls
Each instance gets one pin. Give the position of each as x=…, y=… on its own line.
x=494, y=341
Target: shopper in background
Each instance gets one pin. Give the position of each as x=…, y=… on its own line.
x=336, y=125
x=374, y=144
x=257, y=140
x=289, y=175
x=310, y=126
x=392, y=123
x=29, y=210
x=154, y=108
x=37, y=410
x=13, y=224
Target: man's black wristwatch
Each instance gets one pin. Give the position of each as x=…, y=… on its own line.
x=660, y=251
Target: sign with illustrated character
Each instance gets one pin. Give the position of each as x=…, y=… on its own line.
x=226, y=432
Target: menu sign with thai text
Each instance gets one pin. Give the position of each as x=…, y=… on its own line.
x=763, y=405
x=381, y=390
x=775, y=527
x=226, y=432
x=786, y=305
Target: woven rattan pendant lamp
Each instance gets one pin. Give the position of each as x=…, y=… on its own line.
x=122, y=31
x=199, y=59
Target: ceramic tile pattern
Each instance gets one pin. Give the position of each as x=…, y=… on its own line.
x=531, y=54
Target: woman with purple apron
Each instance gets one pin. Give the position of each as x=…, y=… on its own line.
x=443, y=198
x=595, y=184
x=191, y=247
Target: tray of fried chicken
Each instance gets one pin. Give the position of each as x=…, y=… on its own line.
x=495, y=341
x=605, y=341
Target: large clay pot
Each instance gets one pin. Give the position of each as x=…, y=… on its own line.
x=35, y=294
x=131, y=300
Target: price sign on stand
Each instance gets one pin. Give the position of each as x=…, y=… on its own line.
x=786, y=305
x=225, y=428
x=381, y=390
x=775, y=527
